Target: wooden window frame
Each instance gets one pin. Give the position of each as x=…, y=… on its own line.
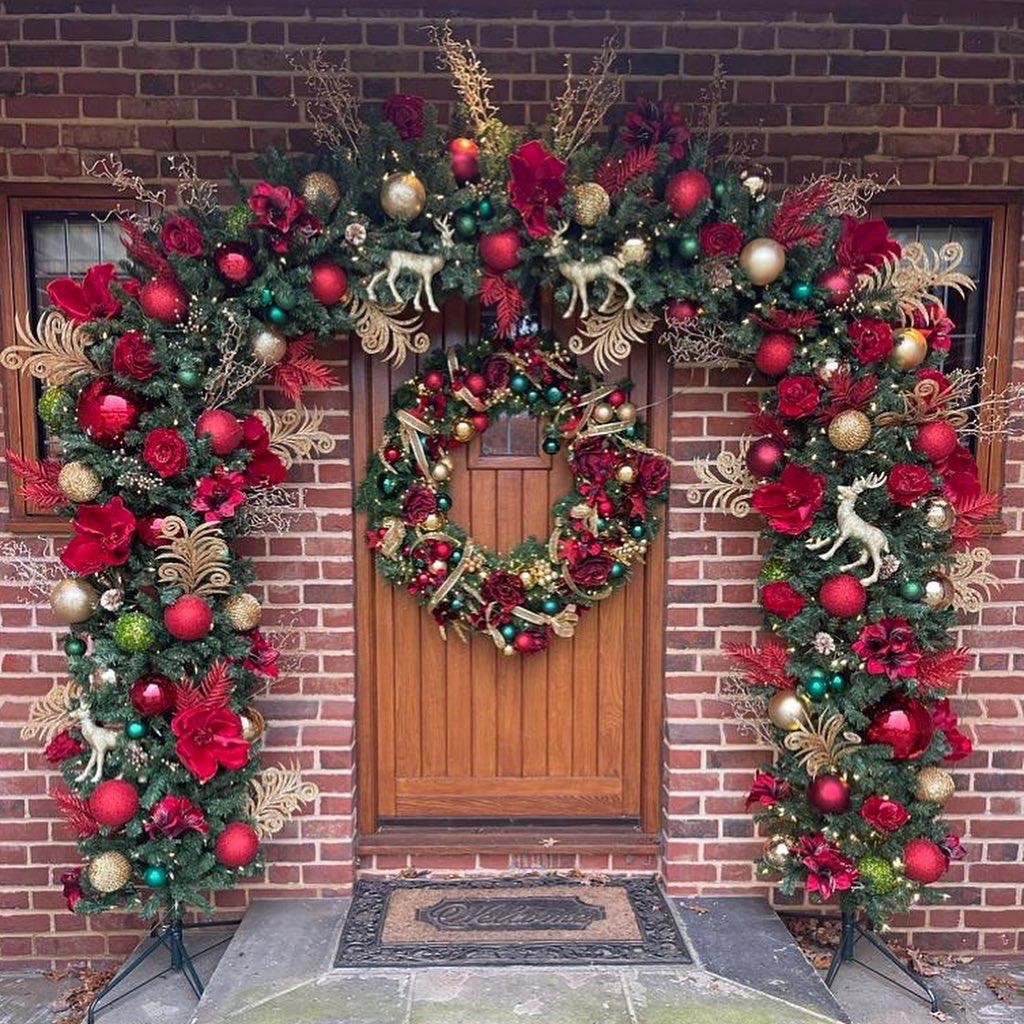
x=1003, y=210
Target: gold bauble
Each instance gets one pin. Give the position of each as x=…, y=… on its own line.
x=268, y=345
x=634, y=250
x=243, y=611
x=625, y=474
x=938, y=593
x=762, y=260
x=402, y=195
x=787, y=710
x=440, y=471
x=463, y=430
x=940, y=515
x=776, y=851
x=909, y=348
x=603, y=412
x=849, y=431
x=73, y=601
x=79, y=482
x=626, y=412
x=935, y=785
x=254, y=725
x=433, y=522
x=320, y=190
x=592, y=203
x=108, y=872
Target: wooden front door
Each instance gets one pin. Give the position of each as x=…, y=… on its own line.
x=453, y=730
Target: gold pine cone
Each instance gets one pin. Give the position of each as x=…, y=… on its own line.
x=592, y=203
x=109, y=871
x=79, y=482
x=934, y=785
x=849, y=431
x=243, y=611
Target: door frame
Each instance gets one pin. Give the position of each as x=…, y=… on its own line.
x=577, y=837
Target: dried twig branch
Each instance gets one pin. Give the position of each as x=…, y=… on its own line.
x=581, y=107
x=333, y=108
x=36, y=573
x=235, y=370
x=112, y=170
x=192, y=190
x=472, y=80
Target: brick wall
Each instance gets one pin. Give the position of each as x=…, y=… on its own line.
x=890, y=88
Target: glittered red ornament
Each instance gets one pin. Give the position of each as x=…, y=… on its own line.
x=479, y=421
x=828, y=794
x=164, y=299
x=114, y=803
x=681, y=309
x=765, y=455
x=500, y=250
x=476, y=384
x=106, y=411
x=235, y=263
x=152, y=695
x=924, y=861
x=936, y=440
x=775, y=353
x=616, y=398
x=237, y=845
x=189, y=618
x=328, y=283
x=685, y=191
x=392, y=454
x=465, y=154
x=904, y=723
x=843, y=595
x=434, y=380
x=837, y=284
x=223, y=430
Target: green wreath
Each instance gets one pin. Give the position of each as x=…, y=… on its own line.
x=601, y=527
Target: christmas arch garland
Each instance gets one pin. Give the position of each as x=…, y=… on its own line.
x=524, y=597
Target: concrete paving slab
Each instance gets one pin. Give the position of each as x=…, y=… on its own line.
x=26, y=997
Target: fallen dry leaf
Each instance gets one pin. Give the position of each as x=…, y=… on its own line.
x=1004, y=987
x=696, y=908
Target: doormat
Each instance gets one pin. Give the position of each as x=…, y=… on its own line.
x=405, y=922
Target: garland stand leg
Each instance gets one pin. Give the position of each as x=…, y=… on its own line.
x=168, y=934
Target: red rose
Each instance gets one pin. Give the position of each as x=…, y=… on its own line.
x=889, y=647
x=828, y=870
x=864, y=244
x=782, y=599
x=182, y=236
x=165, y=452
x=536, y=185
x=495, y=371
x=103, y=537
x=592, y=571
x=133, y=356
x=872, y=339
x=218, y=496
x=503, y=589
x=419, y=503
x=172, y=816
x=594, y=459
x=90, y=300
x=798, y=396
x=884, y=814
x=723, y=238
x=281, y=213
x=209, y=738
x=71, y=883
x=789, y=504
x=62, y=746
x=767, y=790
x=907, y=482
x=652, y=473
x=405, y=112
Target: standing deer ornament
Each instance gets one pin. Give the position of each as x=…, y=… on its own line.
x=580, y=275
x=100, y=739
x=422, y=265
x=873, y=542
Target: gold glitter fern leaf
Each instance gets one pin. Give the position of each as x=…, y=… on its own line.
x=55, y=353
x=277, y=793
x=295, y=433
x=821, y=744
x=382, y=332
x=196, y=561
x=972, y=582
x=611, y=335
x=725, y=483
x=50, y=713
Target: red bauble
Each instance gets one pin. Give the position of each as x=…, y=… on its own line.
x=936, y=440
x=681, y=309
x=616, y=398
x=114, y=803
x=189, y=618
x=328, y=283
x=235, y=263
x=843, y=596
x=904, y=723
x=237, y=845
x=476, y=384
x=838, y=284
x=685, y=191
x=828, y=794
x=765, y=455
x=479, y=421
x=465, y=155
x=924, y=861
x=106, y=412
x=775, y=353
x=152, y=695
x=164, y=299
x=223, y=429
x=500, y=251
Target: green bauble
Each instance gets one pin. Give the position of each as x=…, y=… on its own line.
x=444, y=503
x=878, y=874
x=519, y=383
x=188, y=377
x=277, y=315
x=508, y=631
x=719, y=189
x=816, y=688
x=553, y=395
x=388, y=484
x=134, y=631
x=465, y=225
x=618, y=570
x=485, y=209
x=689, y=246
x=774, y=570
x=455, y=604
x=550, y=445
x=638, y=531
x=533, y=397
x=266, y=296
x=155, y=876
x=74, y=647
x=135, y=730
x=238, y=220
x=837, y=683
x=54, y=406
x=284, y=296
x=550, y=606
x=912, y=591
x=802, y=291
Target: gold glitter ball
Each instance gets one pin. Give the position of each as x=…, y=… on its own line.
x=592, y=203
x=433, y=522
x=79, y=482
x=402, y=195
x=320, y=190
x=243, y=611
x=73, y=601
x=463, y=430
x=849, y=431
x=935, y=785
x=109, y=871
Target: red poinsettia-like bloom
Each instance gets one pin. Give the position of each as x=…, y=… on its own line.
x=164, y=450
x=767, y=790
x=62, y=746
x=71, y=883
x=405, y=112
x=864, y=244
x=654, y=121
x=172, y=816
x=790, y=503
x=282, y=214
x=798, y=396
x=872, y=339
x=907, y=482
x=945, y=718
x=219, y=495
x=103, y=537
x=884, y=814
x=536, y=185
x=889, y=647
x=209, y=738
x=92, y=299
x=828, y=870
x=263, y=656
x=782, y=599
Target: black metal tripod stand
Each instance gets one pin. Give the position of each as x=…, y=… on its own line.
x=169, y=935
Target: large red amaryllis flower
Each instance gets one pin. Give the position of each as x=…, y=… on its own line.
x=219, y=495
x=103, y=537
x=536, y=185
x=767, y=790
x=174, y=815
x=209, y=738
x=654, y=121
x=864, y=244
x=91, y=299
x=828, y=870
x=265, y=469
x=790, y=503
x=282, y=214
x=889, y=647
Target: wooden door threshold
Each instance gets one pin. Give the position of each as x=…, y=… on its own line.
x=538, y=838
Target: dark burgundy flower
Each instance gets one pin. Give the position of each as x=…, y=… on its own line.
x=592, y=571
x=496, y=372
x=652, y=473
x=218, y=496
x=828, y=870
x=782, y=599
x=907, y=482
x=889, y=647
x=790, y=503
x=595, y=460
x=420, y=502
x=884, y=814
x=767, y=790
x=103, y=537
x=133, y=356
x=653, y=121
x=181, y=235
x=952, y=847
x=62, y=746
x=172, y=816
x=164, y=451
x=723, y=238
x=71, y=883
x=405, y=112
x=90, y=300
x=864, y=244
x=503, y=589
x=530, y=641
x=282, y=214
x=536, y=185
x=797, y=396
x=263, y=655
x=945, y=718
x=872, y=339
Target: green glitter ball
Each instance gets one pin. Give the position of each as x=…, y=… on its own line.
x=878, y=873
x=74, y=647
x=465, y=225
x=774, y=570
x=689, y=246
x=155, y=876
x=54, y=406
x=135, y=730
x=134, y=631
x=239, y=219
